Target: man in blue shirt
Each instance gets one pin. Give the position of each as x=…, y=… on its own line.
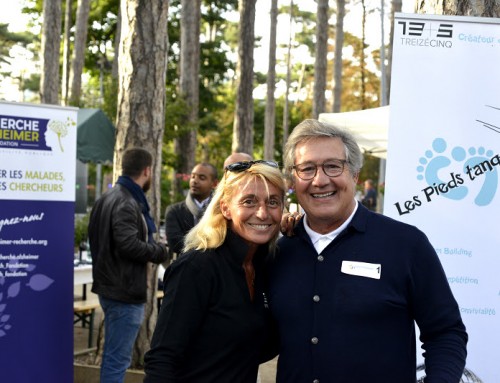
x=349, y=286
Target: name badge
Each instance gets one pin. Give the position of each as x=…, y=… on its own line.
x=362, y=269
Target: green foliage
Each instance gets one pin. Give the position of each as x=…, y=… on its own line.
x=351, y=78
x=109, y=103
x=9, y=39
x=81, y=228
x=103, y=18
x=216, y=105
x=370, y=170
x=91, y=95
x=31, y=83
x=175, y=113
x=218, y=46
x=306, y=35
x=167, y=197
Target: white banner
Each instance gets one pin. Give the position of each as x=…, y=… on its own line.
x=37, y=152
x=443, y=162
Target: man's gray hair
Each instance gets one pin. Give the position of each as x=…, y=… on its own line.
x=310, y=129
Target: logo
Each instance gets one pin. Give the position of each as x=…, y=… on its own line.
x=456, y=174
x=426, y=34
x=33, y=133
x=60, y=128
x=463, y=165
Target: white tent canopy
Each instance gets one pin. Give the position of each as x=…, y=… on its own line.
x=369, y=127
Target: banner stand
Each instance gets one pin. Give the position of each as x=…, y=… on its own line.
x=37, y=203
x=443, y=162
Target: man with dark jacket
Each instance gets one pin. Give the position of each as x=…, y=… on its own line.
x=182, y=216
x=349, y=287
x=121, y=243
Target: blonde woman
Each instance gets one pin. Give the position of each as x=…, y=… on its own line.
x=214, y=323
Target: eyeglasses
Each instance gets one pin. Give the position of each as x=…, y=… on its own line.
x=244, y=165
x=308, y=170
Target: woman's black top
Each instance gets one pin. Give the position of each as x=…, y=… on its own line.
x=208, y=329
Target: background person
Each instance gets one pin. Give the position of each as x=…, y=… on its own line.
x=348, y=288
x=214, y=321
x=370, y=196
x=182, y=216
x=121, y=243
x=237, y=157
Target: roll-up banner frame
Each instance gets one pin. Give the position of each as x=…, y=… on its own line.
x=443, y=162
x=37, y=202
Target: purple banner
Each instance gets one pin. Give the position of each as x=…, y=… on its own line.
x=36, y=294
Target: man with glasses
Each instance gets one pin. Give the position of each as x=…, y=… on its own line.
x=349, y=286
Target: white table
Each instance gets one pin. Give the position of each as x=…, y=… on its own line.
x=82, y=276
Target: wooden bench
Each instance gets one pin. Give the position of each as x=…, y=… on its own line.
x=84, y=312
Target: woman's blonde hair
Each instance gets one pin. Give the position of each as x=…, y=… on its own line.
x=210, y=232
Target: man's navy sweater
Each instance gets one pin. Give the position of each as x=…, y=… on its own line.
x=345, y=322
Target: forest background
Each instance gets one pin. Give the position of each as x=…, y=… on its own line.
x=179, y=77
x=296, y=39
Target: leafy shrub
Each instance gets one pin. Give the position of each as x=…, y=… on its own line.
x=81, y=226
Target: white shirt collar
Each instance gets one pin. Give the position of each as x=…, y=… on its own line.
x=320, y=241
x=201, y=204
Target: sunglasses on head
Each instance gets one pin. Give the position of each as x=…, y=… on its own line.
x=244, y=165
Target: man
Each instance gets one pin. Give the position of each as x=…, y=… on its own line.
x=370, y=197
x=237, y=157
x=182, y=216
x=349, y=286
x=121, y=243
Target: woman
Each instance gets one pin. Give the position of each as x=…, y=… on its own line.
x=214, y=324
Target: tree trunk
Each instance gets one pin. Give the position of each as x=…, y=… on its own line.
x=270, y=119
x=286, y=113
x=189, y=85
x=141, y=114
x=82, y=18
x=66, y=52
x=362, y=59
x=243, y=116
x=320, y=62
x=298, y=89
x=481, y=8
x=51, y=42
x=116, y=45
x=337, y=63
